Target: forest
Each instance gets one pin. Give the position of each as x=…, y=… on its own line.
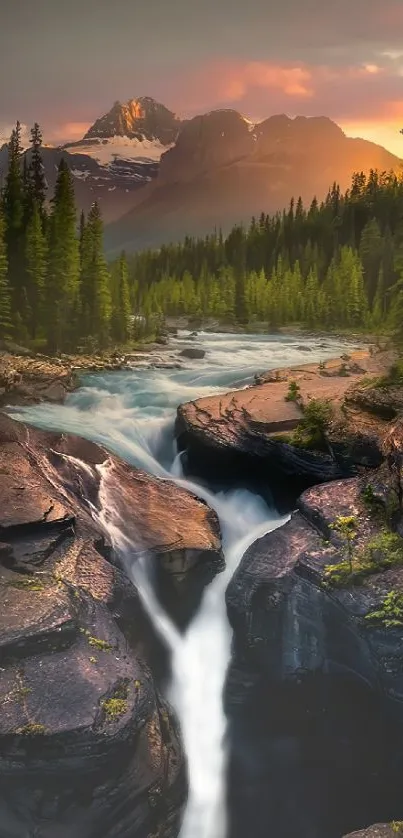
x=57, y=291
x=335, y=265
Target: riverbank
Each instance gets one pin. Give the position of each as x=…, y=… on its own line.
x=31, y=378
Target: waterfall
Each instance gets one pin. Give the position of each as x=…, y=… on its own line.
x=199, y=657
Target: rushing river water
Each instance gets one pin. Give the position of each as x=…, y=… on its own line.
x=132, y=413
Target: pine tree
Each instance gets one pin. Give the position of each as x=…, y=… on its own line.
x=36, y=266
x=370, y=251
x=121, y=308
x=62, y=283
x=13, y=202
x=81, y=234
x=95, y=291
x=6, y=326
x=37, y=178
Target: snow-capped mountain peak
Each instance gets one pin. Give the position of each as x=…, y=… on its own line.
x=136, y=119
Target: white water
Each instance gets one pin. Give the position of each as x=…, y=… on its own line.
x=132, y=413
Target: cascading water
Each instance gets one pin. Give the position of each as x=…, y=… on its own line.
x=132, y=414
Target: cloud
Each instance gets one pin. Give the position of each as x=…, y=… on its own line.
x=362, y=91
x=68, y=131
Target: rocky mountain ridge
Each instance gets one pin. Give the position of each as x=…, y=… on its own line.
x=158, y=177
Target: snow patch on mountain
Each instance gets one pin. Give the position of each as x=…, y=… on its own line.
x=107, y=151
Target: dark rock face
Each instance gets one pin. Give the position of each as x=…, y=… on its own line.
x=87, y=746
x=314, y=691
x=192, y=352
x=214, y=139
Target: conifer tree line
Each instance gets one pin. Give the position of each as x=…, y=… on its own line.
x=337, y=264
x=56, y=289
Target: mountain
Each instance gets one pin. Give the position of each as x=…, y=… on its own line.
x=158, y=178
x=119, y=154
x=137, y=119
x=222, y=170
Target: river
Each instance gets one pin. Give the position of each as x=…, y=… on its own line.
x=132, y=413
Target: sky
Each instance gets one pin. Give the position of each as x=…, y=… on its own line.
x=64, y=64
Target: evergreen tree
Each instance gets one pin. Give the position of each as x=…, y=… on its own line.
x=13, y=202
x=36, y=267
x=121, y=308
x=95, y=288
x=62, y=283
x=37, y=172
x=6, y=326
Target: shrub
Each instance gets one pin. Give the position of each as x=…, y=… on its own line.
x=368, y=495
x=390, y=614
x=311, y=431
x=294, y=392
x=383, y=551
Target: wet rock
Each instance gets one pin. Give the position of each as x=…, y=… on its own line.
x=310, y=676
x=380, y=830
x=279, y=587
x=386, y=402
x=87, y=746
x=192, y=352
x=248, y=433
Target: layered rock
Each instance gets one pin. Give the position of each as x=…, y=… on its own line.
x=314, y=690
x=249, y=432
x=88, y=746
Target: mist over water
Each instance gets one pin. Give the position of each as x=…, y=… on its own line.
x=132, y=413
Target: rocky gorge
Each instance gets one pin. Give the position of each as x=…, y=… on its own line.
x=314, y=688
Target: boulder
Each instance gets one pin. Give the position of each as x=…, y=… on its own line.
x=192, y=352
x=87, y=745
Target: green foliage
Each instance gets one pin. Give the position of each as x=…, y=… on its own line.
x=311, y=431
x=96, y=642
x=117, y=704
x=36, y=268
x=56, y=289
x=63, y=267
x=121, y=306
x=334, y=265
x=294, y=392
x=27, y=583
x=390, y=614
x=6, y=324
x=382, y=552
x=368, y=495
x=397, y=826
x=102, y=645
x=114, y=707
x=95, y=292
